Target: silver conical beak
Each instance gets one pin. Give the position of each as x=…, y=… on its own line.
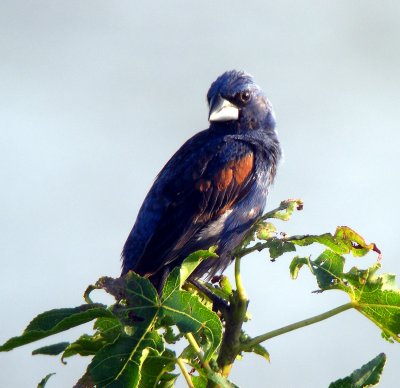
x=222, y=110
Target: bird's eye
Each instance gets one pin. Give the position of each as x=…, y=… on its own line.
x=245, y=96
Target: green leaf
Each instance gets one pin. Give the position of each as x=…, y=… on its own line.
x=55, y=321
x=120, y=363
x=85, y=345
x=187, y=312
x=345, y=240
x=225, y=285
x=199, y=381
x=108, y=329
x=265, y=231
x=170, y=336
x=296, y=264
x=156, y=368
x=277, y=247
x=256, y=349
x=167, y=380
x=261, y=351
x=51, y=350
x=328, y=269
x=193, y=260
x=44, y=381
x=376, y=297
x=367, y=376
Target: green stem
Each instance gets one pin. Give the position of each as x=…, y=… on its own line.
x=294, y=326
x=238, y=279
x=282, y=206
x=260, y=246
x=185, y=373
x=192, y=341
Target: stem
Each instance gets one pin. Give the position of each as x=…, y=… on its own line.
x=185, y=373
x=192, y=341
x=294, y=326
x=260, y=246
x=238, y=279
x=282, y=206
x=236, y=315
x=257, y=247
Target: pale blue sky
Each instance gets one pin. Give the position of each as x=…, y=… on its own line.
x=95, y=96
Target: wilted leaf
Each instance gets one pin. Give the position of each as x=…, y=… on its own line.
x=55, y=321
x=345, y=240
x=367, y=376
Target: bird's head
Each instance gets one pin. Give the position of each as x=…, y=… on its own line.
x=234, y=97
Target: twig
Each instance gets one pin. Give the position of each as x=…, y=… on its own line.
x=193, y=343
x=185, y=373
x=294, y=326
x=288, y=205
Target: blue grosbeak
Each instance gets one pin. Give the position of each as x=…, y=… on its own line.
x=214, y=187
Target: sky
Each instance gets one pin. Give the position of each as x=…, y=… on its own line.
x=95, y=96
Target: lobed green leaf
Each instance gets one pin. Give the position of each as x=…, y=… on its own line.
x=187, y=312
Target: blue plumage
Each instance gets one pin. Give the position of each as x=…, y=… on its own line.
x=213, y=188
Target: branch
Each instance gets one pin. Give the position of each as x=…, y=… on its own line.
x=248, y=345
x=236, y=315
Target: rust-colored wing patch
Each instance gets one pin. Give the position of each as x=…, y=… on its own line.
x=236, y=171
x=223, y=178
x=242, y=168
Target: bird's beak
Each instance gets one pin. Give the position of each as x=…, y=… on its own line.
x=222, y=110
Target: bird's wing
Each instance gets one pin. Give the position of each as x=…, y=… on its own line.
x=196, y=187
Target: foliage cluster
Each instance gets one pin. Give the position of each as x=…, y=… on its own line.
x=134, y=339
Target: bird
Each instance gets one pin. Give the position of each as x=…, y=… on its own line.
x=213, y=188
